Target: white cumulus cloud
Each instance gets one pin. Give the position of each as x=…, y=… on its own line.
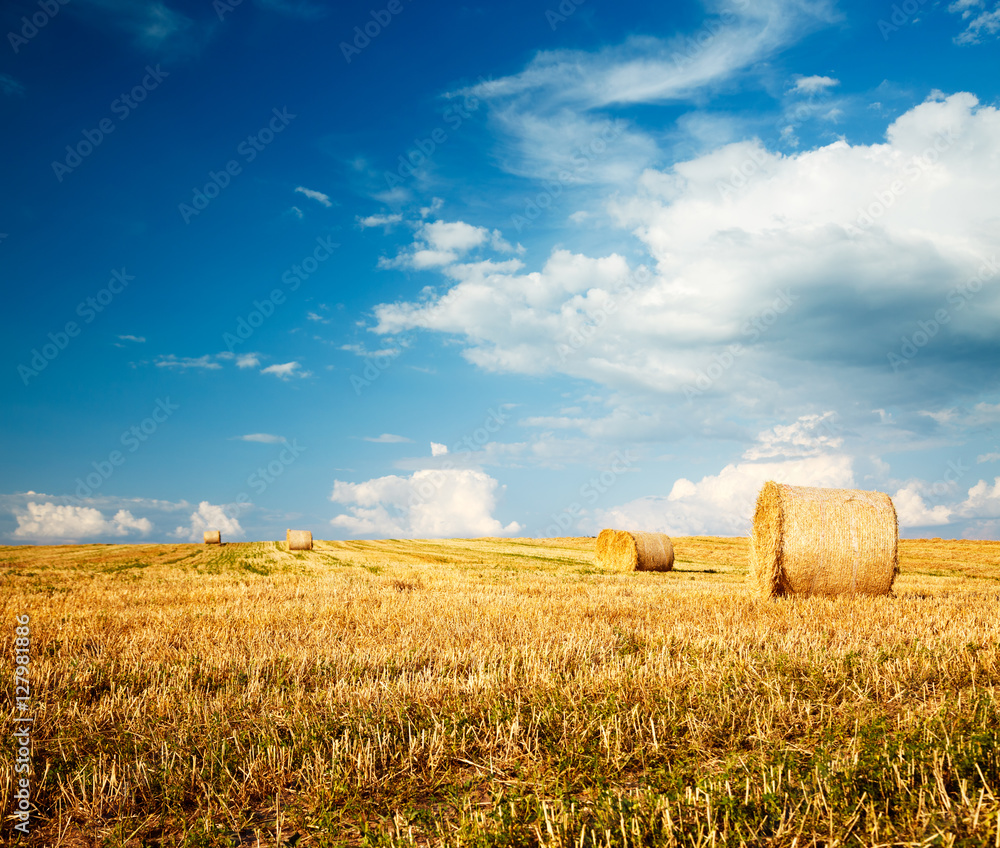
x=65, y=523
x=428, y=504
x=209, y=516
x=773, y=273
x=813, y=85
x=912, y=511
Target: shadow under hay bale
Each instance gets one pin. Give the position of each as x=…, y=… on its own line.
x=624, y=550
x=213, y=537
x=815, y=541
x=299, y=540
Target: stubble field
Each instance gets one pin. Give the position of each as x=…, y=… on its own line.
x=497, y=692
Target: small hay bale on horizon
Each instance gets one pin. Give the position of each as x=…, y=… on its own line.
x=213, y=537
x=819, y=541
x=299, y=540
x=634, y=550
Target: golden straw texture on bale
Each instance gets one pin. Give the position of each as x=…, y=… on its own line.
x=603, y=547
x=637, y=551
x=812, y=541
x=213, y=537
x=299, y=540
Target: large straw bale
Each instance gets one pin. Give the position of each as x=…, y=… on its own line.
x=625, y=550
x=213, y=537
x=814, y=541
x=299, y=540
x=603, y=545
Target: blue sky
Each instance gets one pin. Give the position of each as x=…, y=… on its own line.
x=535, y=268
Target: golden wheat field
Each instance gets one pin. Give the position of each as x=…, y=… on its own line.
x=498, y=692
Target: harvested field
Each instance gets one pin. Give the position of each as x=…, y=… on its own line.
x=500, y=692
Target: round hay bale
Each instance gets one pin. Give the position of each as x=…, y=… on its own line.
x=213, y=537
x=638, y=551
x=299, y=540
x=603, y=545
x=813, y=541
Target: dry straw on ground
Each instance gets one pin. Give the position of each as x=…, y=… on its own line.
x=213, y=537
x=624, y=550
x=812, y=541
x=299, y=540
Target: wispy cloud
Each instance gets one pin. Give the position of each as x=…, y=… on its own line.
x=380, y=220
x=153, y=26
x=318, y=196
x=265, y=438
x=982, y=22
x=206, y=362
x=387, y=439
x=286, y=371
x=361, y=350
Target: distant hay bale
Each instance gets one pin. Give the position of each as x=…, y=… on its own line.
x=299, y=540
x=812, y=541
x=624, y=550
x=213, y=537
